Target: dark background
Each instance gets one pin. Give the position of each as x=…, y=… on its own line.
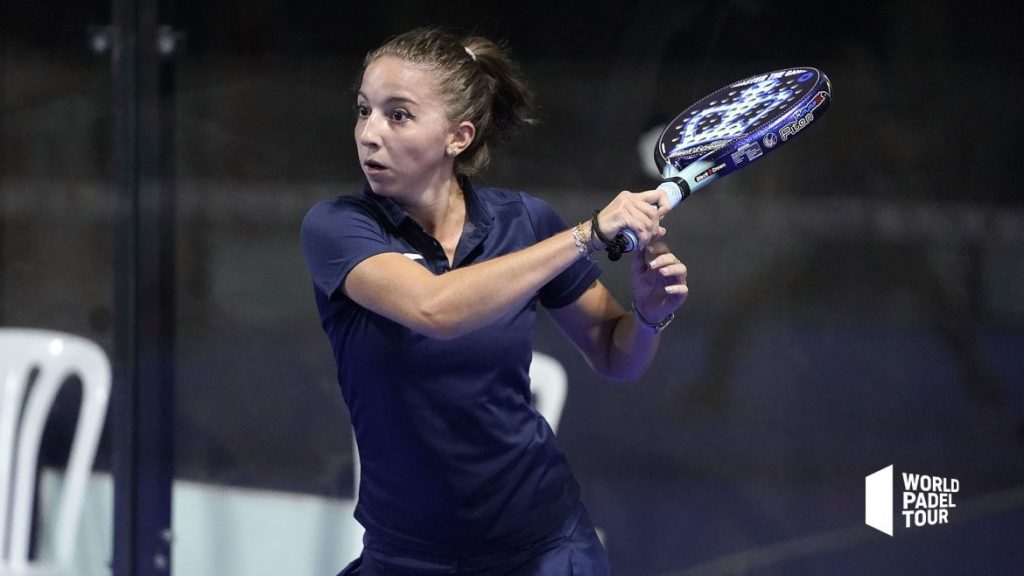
x=856, y=299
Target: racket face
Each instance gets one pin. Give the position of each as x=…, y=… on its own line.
x=763, y=110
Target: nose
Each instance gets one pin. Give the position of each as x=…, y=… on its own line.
x=368, y=131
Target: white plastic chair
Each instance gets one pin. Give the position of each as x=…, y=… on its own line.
x=549, y=385
x=23, y=416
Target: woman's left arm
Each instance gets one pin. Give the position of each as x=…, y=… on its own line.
x=616, y=342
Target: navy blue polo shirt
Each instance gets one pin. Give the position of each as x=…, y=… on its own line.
x=454, y=457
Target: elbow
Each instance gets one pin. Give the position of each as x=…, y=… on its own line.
x=436, y=323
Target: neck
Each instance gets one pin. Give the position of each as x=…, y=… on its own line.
x=440, y=210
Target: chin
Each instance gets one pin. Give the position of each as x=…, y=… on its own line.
x=380, y=187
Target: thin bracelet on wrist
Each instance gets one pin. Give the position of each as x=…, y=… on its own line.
x=655, y=327
x=583, y=246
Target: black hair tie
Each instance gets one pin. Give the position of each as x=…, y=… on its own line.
x=614, y=246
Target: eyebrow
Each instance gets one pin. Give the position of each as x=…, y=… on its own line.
x=391, y=99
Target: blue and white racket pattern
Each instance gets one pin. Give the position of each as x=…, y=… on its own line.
x=734, y=126
x=717, y=120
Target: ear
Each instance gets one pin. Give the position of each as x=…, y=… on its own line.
x=461, y=137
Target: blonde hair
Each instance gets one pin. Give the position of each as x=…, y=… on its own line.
x=479, y=82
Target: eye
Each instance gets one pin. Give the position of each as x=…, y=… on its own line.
x=399, y=115
x=362, y=111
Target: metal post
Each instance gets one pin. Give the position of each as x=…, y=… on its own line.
x=143, y=398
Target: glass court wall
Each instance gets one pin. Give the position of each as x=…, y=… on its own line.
x=58, y=211
x=855, y=298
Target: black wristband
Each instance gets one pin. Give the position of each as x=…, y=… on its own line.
x=614, y=246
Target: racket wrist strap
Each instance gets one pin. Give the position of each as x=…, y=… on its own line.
x=655, y=327
x=614, y=246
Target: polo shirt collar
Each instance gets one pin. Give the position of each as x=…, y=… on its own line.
x=477, y=213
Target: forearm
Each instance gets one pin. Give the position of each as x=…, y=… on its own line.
x=463, y=300
x=631, y=349
x=613, y=342
x=659, y=288
x=466, y=299
x=618, y=343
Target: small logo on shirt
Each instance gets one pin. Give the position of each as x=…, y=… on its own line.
x=413, y=256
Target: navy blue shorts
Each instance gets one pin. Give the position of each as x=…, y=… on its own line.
x=574, y=551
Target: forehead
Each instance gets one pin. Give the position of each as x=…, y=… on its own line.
x=388, y=77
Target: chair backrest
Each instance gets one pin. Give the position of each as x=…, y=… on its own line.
x=549, y=385
x=53, y=358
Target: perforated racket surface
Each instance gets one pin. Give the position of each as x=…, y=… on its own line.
x=735, y=126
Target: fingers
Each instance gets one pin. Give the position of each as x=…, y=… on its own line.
x=671, y=270
x=650, y=206
x=659, y=281
x=657, y=198
x=640, y=212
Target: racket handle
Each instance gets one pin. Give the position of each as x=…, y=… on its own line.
x=677, y=190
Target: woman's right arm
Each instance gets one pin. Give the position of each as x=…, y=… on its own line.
x=453, y=304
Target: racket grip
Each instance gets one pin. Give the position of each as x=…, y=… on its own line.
x=631, y=240
x=677, y=191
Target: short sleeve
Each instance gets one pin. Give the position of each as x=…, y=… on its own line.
x=336, y=236
x=565, y=288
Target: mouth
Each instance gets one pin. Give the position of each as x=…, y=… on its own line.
x=373, y=167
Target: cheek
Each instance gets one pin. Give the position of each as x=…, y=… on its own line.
x=422, y=149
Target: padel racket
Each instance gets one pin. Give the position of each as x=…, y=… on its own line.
x=734, y=126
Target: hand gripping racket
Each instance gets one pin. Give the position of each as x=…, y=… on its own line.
x=731, y=128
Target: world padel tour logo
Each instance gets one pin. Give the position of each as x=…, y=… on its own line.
x=924, y=500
